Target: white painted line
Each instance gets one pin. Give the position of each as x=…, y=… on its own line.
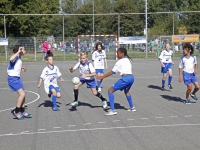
x=144, y=118
x=26, y=103
x=41, y=129
x=173, y=116
x=116, y=120
x=96, y=129
x=130, y=119
x=159, y=117
x=101, y=122
x=188, y=116
x=86, y=124
x=9, y=134
x=71, y=125
x=56, y=127
x=25, y=132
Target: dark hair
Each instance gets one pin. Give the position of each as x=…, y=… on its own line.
x=16, y=48
x=124, y=51
x=49, y=54
x=189, y=47
x=96, y=47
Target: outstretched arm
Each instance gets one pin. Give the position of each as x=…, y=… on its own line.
x=105, y=75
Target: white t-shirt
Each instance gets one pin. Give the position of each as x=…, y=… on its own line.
x=123, y=66
x=14, y=67
x=85, y=69
x=188, y=63
x=98, y=59
x=166, y=56
x=49, y=76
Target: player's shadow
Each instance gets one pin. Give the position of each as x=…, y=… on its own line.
x=156, y=87
x=81, y=104
x=117, y=106
x=48, y=103
x=173, y=98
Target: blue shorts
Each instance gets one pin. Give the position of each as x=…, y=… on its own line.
x=15, y=83
x=166, y=68
x=52, y=87
x=124, y=83
x=189, y=78
x=99, y=70
x=90, y=83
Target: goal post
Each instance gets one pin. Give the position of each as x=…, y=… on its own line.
x=92, y=37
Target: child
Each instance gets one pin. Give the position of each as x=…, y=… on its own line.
x=166, y=64
x=123, y=65
x=157, y=51
x=15, y=83
x=98, y=59
x=49, y=75
x=87, y=73
x=187, y=69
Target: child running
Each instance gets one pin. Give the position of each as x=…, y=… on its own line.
x=49, y=75
x=15, y=82
x=98, y=59
x=124, y=66
x=87, y=73
x=187, y=69
x=166, y=64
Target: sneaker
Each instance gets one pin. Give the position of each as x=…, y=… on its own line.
x=26, y=115
x=162, y=88
x=74, y=103
x=170, y=86
x=194, y=96
x=104, y=104
x=111, y=112
x=13, y=112
x=131, y=109
x=187, y=101
x=19, y=116
x=99, y=89
x=49, y=95
x=55, y=108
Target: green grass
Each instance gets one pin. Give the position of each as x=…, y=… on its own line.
x=60, y=56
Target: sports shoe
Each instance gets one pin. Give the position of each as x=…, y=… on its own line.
x=99, y=89
x=162, y=88
x=104, y=104
x=55, y=108
x=187, y=101
x=19, y=116
x=111, y=112
x=13, y=112
x=131, y=109
x=194, y=96
x=26, y=115
x=74, y=103
x=49, y=95
x=170, y=86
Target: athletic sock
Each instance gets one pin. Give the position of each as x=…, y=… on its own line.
x=169, y=80
x=100, y=96
x=163, y=83
x=17, y=109
x=129, y=99
x=54, y=100
x=76, y=94
x=22, y=109
x=98, y=83
x=111, y=99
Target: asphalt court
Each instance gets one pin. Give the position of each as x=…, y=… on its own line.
x=162, y=120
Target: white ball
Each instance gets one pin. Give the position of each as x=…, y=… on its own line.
x=75, y=80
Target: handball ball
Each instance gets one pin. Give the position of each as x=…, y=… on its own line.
x=75, y=80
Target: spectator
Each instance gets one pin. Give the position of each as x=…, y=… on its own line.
x=44, y=49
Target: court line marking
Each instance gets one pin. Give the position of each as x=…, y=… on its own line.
x=96, y=129
x=38, y=97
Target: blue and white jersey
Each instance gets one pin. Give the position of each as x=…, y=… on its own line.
x=84, y=69
x=166, y=56
x=15, y=67
x=123, y=66
x=49, y=76
x=98, y=59
x=188, y=63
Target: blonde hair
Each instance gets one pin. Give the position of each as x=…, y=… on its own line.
x=84, y=54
